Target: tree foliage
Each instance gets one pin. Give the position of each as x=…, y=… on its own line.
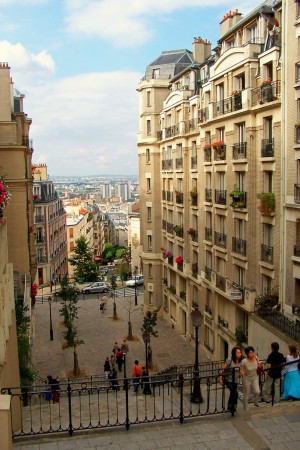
x=23, y=320
x=69, y=312
x=150, y=322
x=83, y=260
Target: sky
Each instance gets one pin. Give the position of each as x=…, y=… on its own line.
x=78, y=63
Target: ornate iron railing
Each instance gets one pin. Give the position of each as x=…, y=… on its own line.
x=278, y=320
x=266, y=93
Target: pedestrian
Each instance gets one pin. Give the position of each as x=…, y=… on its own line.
x=136, y=375
x=113, y=376
x=229, y=376
x=146, y=382
x=107, y=367
x=101, y=306
x=115, y=348
x=273, y=374
x=119, y=359
x=104, y=299
x=112, y=361
x=249, y=366
x=124, y=347
x=55, y=388
x=291, y=382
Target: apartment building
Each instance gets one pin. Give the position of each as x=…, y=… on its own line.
x=210, y=152
x=50, y=229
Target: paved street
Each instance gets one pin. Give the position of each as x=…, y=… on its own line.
x=260, y=428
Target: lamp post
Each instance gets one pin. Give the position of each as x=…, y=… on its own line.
x=197, y=319
x=146, y=339
x=50, y=309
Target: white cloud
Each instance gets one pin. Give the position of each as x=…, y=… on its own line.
x=26, y=65
x=125, y=23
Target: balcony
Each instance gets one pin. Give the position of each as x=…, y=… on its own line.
x=179, y=163
x=40, y=240
x=39, y=219
x=220, y=239
x=297, y=72
x=195, y=270
x=41, y=259
x=267, y=203
x=220, y=196
x=193, y=233
x=239, y=246
x=278, y=320
x=207, y=154
x=220, y=153
x=167, y=196
x=267, y=253
x=194, y=200
x=222, y=322
x=164, y=224
x=228, y=105
x=203, y=115
x=208, y=234
x=239, y=150
x=267, y=148
x=297, y=134
x=297, y=251
x=170, y=228
x=221, y=282
x=239, y=199
x=179, y=198
x=170, y=260
x=159, y=135
x=297, y=193
x=266, y=93
x=208, y=272
x=167, y=164
x=171, y=131
x=208, y=310
x=208, y=195
x=194, y=162
x=178, y=229
x=191, y=126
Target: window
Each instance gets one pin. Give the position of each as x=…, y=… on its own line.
x=268, y=128
x=221, y=179
x=149, y=213
x=71, y=232
x=148, y=126
x=148, y=180
x=253, y=34
x=148, y=98
x=266, y=284
x=240, y=276
x=71, y=246
x=147, y=155
x=179, y=150
x=268, y=181
x=150, y=270
x=194, y=148
x=149, y=242
x=241, y=132
x=268, y=235
x=239, y=228
x=208, y=258
x=155, y=73
x=240, y=180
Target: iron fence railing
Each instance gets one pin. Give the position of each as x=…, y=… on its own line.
x=239, y=150
x=297, y=193
x=278, y=320
x=266, y=93
x=101, y=403
x=267, y=147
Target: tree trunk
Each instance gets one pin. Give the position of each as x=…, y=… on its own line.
x=76, y=370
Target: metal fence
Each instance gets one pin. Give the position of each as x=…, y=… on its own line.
x=99, y=403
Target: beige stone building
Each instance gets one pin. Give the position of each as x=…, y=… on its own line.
x=211, y=161
x=50, y=229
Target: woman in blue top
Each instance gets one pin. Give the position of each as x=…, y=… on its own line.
x=291, y=383
x=229, y=376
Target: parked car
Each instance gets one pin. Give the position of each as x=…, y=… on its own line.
x=73, y=285
x=136, y=280
x=98, y=286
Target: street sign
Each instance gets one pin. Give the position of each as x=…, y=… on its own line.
x=236, y=294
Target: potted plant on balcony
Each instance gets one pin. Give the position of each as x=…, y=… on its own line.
x=179, y=262
x=178, y=230
x=192, y=232
x=267, y=90
x=237, y=99
x=195, y=268
x=167, y=254
x=267, y=203
x=218, y=144
x=193, y=192
x=206, y=147
x=5, y=196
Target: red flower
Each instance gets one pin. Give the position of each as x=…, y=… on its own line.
x=179, y=260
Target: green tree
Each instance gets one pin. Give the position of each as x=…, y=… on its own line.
x=121, y=252
x=83, y=261
x=69, y=312
x=109, y=251
x=23, y=320
x=123, y=270
x=149, y=324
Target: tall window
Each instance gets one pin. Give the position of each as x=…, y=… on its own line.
x=148, y=126
x=147, y=155
x=149, y=213
x=241, y=132
x=148, y=98
x=268, y=181
x=240, y=276
x=71, y=232
x=149, y=242
x=268, y=128
x=148, y=184
x=150, y=270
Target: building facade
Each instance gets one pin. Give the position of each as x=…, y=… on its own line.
x=211, y=154
x=50, y=229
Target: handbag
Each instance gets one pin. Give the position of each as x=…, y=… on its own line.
x=260, y=367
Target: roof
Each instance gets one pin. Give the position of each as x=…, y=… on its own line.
x=170, y=63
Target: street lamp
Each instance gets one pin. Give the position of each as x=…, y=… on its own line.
x=146, y=338
x=50, y=309
x=197, y=319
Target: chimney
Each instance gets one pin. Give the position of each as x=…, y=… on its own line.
x=230, y=19
x=201, y=49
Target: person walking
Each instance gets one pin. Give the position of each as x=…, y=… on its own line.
x=112, y=361
x=291, y=382
x=113, y=376
x=146, y=382
x=273, y=374
x=107, y=367
x=119, y=359
x=115, y=348
x=229, y=376
x=249, y=366
x=55, y=388
x=137, y=372
x=124, y=347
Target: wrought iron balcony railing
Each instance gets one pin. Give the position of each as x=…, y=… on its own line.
x=239, y=246
x=203, y=115
x=207, y=154
x=220, y=196
x=167, y=164
x=265, y=94
x=220, y=153
x=208, y=234
x=170, y=228
x=220, y=239
x=221, y=282
x=39, y=219
x=40, y=239
x=179, y=163
x=297, y=134
x=297, y=72
x=297, y=193
x=267, y=148
x=194, y=200
x=278, y=320
x=267, y=253
x=297, y=251
x=193, y=162
x=191, y=125
x=169, y=196
x=208, y=195
x=239, y=150
x=179, y=198
x=208, y=272
x=228, y=105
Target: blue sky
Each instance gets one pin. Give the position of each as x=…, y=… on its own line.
x=78, y=62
